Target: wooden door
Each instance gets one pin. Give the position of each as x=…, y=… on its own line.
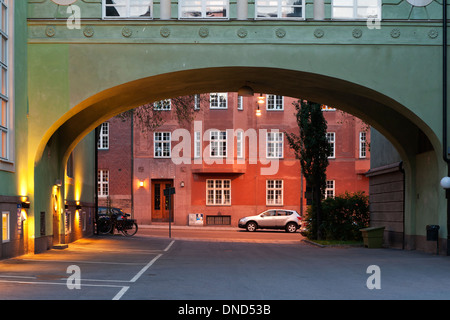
x=160, y=203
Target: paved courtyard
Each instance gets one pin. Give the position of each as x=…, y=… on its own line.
x=159, y=268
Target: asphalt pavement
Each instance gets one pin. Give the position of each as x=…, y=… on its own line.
x=150, y=267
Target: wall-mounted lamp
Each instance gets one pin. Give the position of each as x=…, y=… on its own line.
x=261, y=100
x=141, y=183
x=24, y=202
x=78, y=207
x=182, y=184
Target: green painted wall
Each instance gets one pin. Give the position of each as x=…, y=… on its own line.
x=390, y=77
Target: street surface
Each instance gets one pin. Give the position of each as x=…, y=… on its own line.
x=220, y=265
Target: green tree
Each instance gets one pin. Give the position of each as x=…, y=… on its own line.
x=311, y=147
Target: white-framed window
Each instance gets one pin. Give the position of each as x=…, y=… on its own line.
x=324, y=107
x=197, y=102
x=6, y=228
x=274, y=102
x=127, y=9
x=356, y=9
x=218, y=143
x=218, y=100
x=240, y=144
x=197, y=144
x=103, y=137
x=362, y=145
x=203, y=9
x=162, y=144
x=274, y=192
x=163, y=105
x=240, y=103
x=331, y=137
x=274, y=144
x=103, y=182
x=6, y=81
x=329, y=190
x=279, y=9
x=218, y=192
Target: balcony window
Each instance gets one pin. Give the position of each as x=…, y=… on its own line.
x=203, y=9
x=356, y=9
x=279, y=9
x=131, y=9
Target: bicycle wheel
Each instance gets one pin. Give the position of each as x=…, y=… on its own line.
x=131, y=230
x=104, y=226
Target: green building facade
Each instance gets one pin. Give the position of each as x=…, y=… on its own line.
x=77, y=63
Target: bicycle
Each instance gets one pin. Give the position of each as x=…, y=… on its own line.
x=122, y=223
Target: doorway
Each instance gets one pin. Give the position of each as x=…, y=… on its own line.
x=160, y=203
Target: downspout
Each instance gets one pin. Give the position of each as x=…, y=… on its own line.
x=97, y=133
x=444, y=111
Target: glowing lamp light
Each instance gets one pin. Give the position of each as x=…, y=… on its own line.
x=261, y=99
x=258, y=112
x=141, y=184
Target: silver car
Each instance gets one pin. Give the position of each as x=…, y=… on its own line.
x=289, y=220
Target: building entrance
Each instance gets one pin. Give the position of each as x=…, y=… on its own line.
x=160, y=203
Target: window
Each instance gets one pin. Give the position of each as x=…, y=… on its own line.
x=218, y=192
x=274, y=102
x=103, y=183
x=362, y=144
x=356, y=9
x=332, y=141
x=274, y=145
x=197, y=102
x=279, y=9
x=240, y=103
x=163, y=105
x=240, y=143
x=329, y=190
x=136, y=9
x=197, y=144
x=5, y=227
x=103, y=137
x=218, y=100
x=162, y=144
x=274, y=192
x=218, y=146
x=203, y=9
x=6, y=112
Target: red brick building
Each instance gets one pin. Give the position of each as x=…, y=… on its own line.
x=226, y=164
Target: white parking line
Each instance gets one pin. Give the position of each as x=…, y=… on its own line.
x=120, y=293
x=139, y=274
x=168, y=247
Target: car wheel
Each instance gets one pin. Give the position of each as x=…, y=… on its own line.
x=291, y=227
x=251, y=226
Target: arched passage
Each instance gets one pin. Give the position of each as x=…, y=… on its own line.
x=406, y=131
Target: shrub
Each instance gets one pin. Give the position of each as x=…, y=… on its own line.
x=342, y=217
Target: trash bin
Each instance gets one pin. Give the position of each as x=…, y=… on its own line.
x=432, y=232
x=373, y=237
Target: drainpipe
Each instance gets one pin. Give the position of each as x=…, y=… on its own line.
x=444, y=111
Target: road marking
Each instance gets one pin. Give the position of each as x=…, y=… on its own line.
x=120, y=293
x=84, y=262
x=139, y=274
x=168, y=247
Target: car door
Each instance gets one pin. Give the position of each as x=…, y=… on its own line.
x=281, y=218
x=267, y=219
